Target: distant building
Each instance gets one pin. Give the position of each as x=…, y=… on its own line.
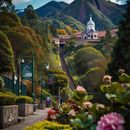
x=90, y=34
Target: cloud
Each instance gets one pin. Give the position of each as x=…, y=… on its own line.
x=16, y=2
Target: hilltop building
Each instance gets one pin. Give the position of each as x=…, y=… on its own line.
x=90, y=34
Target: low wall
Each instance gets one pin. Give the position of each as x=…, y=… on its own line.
x=25, y=109
x=8, y=115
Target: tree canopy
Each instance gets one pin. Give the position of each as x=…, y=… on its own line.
x=6, y=54
x=121, y=52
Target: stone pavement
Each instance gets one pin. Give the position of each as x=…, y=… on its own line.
x=39, y=115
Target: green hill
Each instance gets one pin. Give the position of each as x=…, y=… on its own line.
x=51, y=8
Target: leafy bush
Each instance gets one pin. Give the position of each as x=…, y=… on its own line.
x=9, y=19
x=87, y=58
x=1, y=82
x=6, y=97
x=6, y=54
x=46, y=125
x=24, y=99
x=58, y=79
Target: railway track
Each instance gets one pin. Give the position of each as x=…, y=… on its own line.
x=64, y=67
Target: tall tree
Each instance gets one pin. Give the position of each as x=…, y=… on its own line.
x=30, y=12
x=7, y=6
x=6, y=54
x=121, y=52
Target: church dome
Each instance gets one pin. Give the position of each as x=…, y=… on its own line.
x=90, y=24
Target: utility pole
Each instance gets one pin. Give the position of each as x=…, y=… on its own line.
x=33, y=65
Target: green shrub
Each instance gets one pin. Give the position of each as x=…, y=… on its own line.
x=1, y=82
x=46, y=125
x=6, y=97
x=24, y=99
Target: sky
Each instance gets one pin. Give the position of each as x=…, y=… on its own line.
x=21, y=4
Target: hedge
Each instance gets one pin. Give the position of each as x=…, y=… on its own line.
x=47, y=125
x=7, y=98
x=24, y=99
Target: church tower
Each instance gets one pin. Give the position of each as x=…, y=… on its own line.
x=90, y=34
x=90, y=24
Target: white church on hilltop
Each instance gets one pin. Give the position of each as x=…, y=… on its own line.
x=90, y=34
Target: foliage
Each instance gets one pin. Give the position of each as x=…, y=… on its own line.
x=87, y=58
x=38, y=90
x=121, y=52
x=9, y=6
x=58, y=79
x=92, y=79
x=84, y=114
x=7, y=97
x=24, y=99
x=48, y=126
x=118, y=93
x=83, y=121
x=43, y=30
x=106, y=44
x=90, y=66
x=6, y=54
x=61, y=32
x=30, y=12
x=1, y=82
x=9, y=19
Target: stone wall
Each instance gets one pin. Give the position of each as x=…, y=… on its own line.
x=8, y=115
x=25, y=109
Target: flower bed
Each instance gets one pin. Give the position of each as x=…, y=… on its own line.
x=112, y=114
x=46, y=125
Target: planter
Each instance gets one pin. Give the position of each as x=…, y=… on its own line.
x=8, y=115
x=42, y=106
x=25, y=109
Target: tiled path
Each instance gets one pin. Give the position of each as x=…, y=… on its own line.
x=39, y=115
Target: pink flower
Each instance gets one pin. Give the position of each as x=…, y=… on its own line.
x=80, y=88
x=111, y=121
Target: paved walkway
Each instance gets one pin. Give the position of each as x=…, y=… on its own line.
x=39, y=115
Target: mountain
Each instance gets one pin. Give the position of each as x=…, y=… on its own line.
x=81, y=10
x=61, y=21
x=51, y=8
x=111, y=10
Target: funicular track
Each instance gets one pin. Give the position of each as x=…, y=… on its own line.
x=64, y=67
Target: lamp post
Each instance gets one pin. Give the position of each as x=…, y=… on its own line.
x=21, y=88
x=15, y=83
x=33, y=65
x=59, y=97
x=41, y=83
x=20, y=61
x=41, y=86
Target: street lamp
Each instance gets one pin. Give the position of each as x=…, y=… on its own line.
x=59, y=97
x=47, y=68
x=14, y=81
x=20, y=61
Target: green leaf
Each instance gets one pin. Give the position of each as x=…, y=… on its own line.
x=93, y=127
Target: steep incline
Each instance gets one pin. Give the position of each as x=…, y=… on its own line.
x=64, y=67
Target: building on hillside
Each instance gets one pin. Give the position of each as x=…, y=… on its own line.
x=90, y=34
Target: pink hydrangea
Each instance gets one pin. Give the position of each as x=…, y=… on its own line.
x=111, y=121
x=80, y=88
